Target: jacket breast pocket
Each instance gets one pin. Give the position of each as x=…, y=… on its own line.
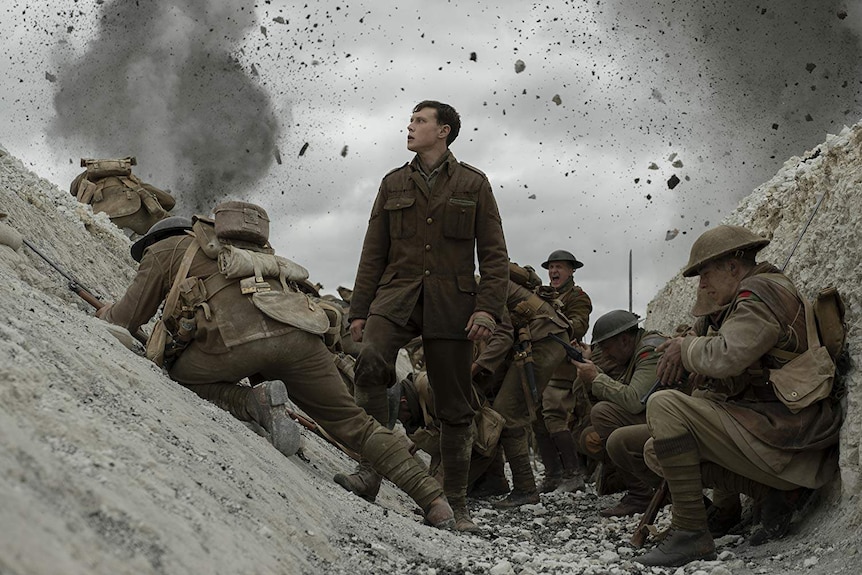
x=402, y=216
x=459, y=218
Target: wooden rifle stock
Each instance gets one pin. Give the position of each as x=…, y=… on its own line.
x=656, y=503
x=312, y=426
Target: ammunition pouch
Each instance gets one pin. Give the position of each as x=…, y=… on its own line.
x=526, y=310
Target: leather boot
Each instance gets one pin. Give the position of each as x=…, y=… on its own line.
x=776, y=512
x=678, y=548
x=262, y=404
x=573, y=478
x=364, y=481
x=391, y=458
x=551, y=462
x=456, y=447
x=514, y=442
x=724, y=514
x=631, y=503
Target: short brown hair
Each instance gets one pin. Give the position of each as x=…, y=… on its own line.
x=446, y=115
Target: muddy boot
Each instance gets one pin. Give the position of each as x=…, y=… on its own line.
x=630, y=504
x=364, y=482
x=776, y=512
x=456, y=447
x=678, y=548
x=551, y=462
x=573, y=478
x=391, y=458
x=262, y=404
x=514, y=442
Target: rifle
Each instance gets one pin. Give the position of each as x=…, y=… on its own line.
x=642, y=530
x=571, y=352
x=78, y=288
x=312, y=426
x=524, y=354
x=650, y=391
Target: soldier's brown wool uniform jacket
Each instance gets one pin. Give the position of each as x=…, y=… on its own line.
x=423, y=243
x=234, y=318
x=545, y=322
x=639, y=376
x=577, y=307
x=763, y=316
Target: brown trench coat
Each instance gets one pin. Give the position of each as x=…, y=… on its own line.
x=736, y=362
x=577, y=307
x=423, y=242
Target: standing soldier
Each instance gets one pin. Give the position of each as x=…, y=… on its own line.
x=737, y=432
x=536, y=357
x=556, y=445
x=619, y=405
x=233, y=311
x=431, y=220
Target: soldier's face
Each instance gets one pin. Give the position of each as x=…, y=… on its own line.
x=719, y=281
x=619, y=348
x=559, y=272
x=423, y=131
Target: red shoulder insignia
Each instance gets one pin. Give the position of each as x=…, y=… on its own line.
x=644, y=355
x=745, y=294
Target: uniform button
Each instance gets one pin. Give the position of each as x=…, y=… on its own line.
x=427, y=272
x=430, y=220
x=427, y=247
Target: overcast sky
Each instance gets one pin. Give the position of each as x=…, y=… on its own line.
x=579, y=112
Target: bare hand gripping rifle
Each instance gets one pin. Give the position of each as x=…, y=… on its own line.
x=78, y=288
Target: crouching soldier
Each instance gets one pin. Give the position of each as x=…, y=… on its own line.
x=739, y=432
x=232, y=312
x=619, y=405
x=109, y=186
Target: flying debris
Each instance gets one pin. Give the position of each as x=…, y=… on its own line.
x=303, y=148
x=254, y=70
x=531, y=197
x=671, y=234
x=556, y=99
x=672, y=182
x=50, y=77
x=263, y=31
x=277, y=157
x=519, y=66
x=344, y=151
x=810, y=67
x=652, y=166
x=677, y=164
x=472, y=56
x=656, y=95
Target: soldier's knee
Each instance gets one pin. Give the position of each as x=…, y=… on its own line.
x=372, y=370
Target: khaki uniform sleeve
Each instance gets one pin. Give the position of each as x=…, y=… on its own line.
x=578, y=311
x=141, y=301
x=498, y=346
x=745, y=336
x=628, y=395
x=372, y=261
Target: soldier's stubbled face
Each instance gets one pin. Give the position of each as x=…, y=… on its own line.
x=720, y=280
x=423, y=131
x=559, y=273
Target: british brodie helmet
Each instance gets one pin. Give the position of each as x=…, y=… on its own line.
x=171, y=226
x=719, y=242
x=614, y=323
x=562, y=256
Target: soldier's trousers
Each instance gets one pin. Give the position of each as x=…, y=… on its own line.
x=558, y=403
x=308, y=370
x=672, y=412
x=511, y=400
x=447, y=361
x=605, y=418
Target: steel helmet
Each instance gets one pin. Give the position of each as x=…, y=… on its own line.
x=721, y=241
x=563, y=256
x=161, y=229
x=614, y=323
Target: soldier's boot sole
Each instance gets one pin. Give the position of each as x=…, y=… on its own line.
x=439, y=514
x=270, y=398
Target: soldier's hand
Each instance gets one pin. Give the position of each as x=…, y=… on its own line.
x=587, y=370
x=357, y=326
x=480, y=326
x=670, y=369
x=585, y=350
